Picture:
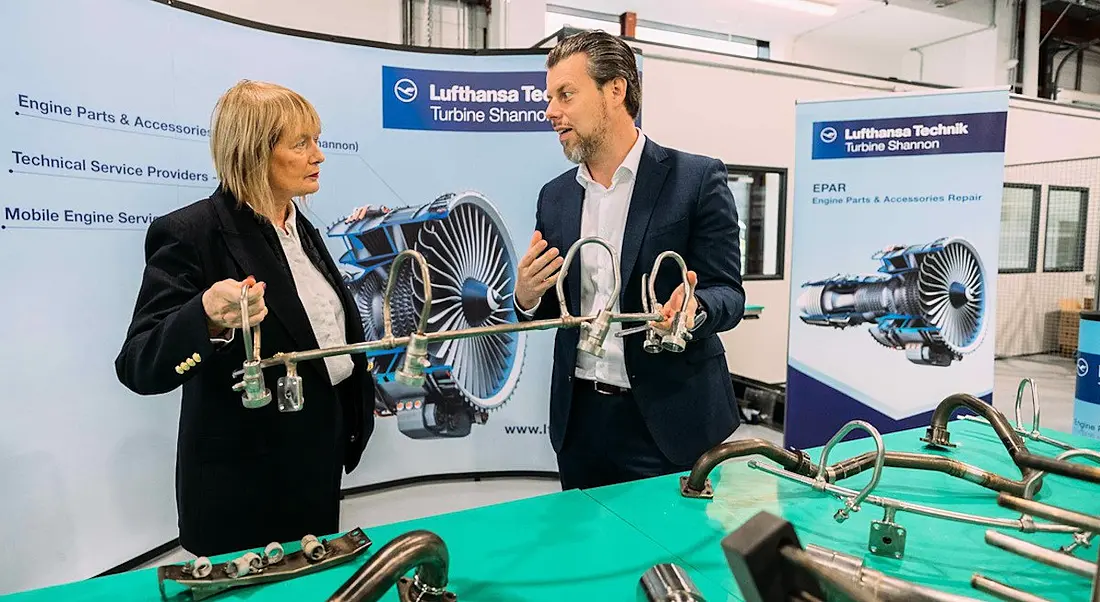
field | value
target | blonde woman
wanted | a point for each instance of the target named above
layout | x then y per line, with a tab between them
247	477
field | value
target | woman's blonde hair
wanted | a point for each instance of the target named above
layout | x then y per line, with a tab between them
247	122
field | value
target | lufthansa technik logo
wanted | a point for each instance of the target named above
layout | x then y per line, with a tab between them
828	135
405	90
1082	366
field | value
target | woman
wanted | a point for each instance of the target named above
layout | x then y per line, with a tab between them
247	477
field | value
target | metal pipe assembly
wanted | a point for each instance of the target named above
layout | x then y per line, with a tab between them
1033	433
416	344
852	504
422	550
894	505
938	437
1061	560
880	585
770	565
697	483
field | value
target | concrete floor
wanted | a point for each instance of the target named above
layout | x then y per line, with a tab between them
1054	377
1055	381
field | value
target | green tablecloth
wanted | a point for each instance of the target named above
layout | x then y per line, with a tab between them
596	544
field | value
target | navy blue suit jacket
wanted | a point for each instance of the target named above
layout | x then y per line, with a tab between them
681	202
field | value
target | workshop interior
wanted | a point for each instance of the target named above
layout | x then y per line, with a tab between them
916	369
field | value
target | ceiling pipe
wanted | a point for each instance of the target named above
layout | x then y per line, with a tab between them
1032	11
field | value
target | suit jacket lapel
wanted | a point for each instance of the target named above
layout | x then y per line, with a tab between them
647	188
571	210
250	249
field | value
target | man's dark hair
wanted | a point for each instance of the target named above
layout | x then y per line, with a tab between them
608	58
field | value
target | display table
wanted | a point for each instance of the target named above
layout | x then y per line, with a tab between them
596	544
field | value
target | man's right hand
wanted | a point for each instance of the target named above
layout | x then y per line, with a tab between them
538	271
222	304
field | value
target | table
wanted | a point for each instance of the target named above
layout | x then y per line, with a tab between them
596	544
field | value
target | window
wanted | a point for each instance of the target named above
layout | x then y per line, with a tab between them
1065	236
1019	228
760	194
559	17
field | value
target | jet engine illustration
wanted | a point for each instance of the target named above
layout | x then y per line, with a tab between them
472	266
927	300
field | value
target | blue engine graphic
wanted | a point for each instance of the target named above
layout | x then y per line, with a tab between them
472	266
926	300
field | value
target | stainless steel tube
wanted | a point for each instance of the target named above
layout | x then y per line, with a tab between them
826	574
1052	513
423	550
880	585
669	583
1002	591
1037	553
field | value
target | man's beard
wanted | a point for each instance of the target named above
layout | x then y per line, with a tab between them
587	147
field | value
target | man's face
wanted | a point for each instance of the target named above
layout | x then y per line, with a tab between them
577	109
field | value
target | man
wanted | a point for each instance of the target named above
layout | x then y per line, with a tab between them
630	414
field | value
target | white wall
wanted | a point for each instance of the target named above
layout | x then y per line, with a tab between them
517	23
967	61
379	20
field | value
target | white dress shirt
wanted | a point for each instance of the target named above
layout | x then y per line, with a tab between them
322	305
603	214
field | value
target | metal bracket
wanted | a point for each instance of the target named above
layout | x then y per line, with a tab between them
887	538
252	569
706	493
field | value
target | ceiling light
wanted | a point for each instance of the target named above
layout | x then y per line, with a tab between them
808	6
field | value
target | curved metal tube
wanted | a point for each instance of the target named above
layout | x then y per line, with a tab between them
558	286
1030	484
990	480
421	549
1034	405
1033	433
654	304
695	484
425	277
852	504
938	435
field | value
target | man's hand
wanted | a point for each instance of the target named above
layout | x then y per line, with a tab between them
675	302
222	304
537	272
361	212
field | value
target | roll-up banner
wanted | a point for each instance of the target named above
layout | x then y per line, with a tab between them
894	265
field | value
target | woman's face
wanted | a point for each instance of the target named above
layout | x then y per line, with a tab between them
295	164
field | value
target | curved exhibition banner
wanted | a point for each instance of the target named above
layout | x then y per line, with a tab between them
106	110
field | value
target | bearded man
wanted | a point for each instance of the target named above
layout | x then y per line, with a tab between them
629	414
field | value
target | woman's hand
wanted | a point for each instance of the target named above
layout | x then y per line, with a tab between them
222	304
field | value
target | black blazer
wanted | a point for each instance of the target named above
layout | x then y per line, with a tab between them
244	477
682	203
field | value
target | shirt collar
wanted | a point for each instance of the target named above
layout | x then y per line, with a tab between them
628	168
